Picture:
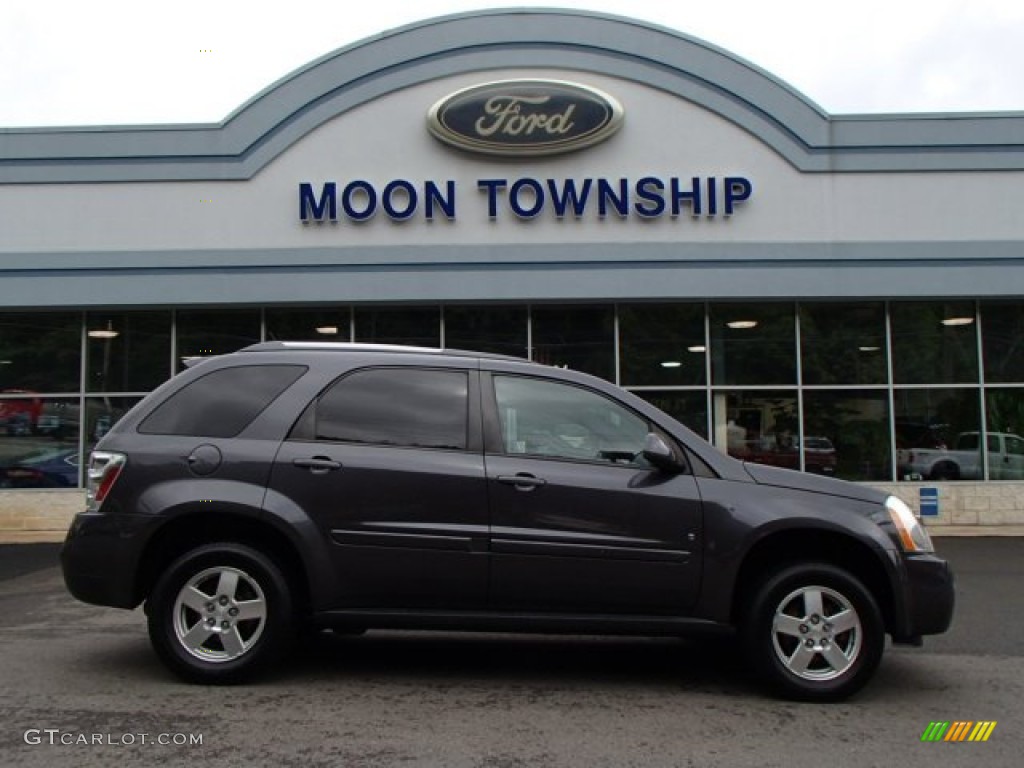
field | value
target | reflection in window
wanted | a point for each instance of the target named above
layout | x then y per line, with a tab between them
396	406
499	330
216	332
39	442
688	408
843	343
127	351
40	351
753	344
934	342
1004	409
937	434
550	419
410	326
331	324
581	338
101	414
662	344
846	434
1003	338
759	427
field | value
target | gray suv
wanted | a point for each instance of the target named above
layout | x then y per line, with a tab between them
289	487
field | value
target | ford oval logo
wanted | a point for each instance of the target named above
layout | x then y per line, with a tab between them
525	117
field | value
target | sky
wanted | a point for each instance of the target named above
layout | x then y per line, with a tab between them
132	62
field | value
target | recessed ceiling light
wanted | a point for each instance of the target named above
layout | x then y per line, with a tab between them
742	324
697	348
671	364
327	330
104	333
953	321
869	349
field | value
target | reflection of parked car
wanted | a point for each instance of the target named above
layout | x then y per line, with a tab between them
19	417
51	467
819	455
963	462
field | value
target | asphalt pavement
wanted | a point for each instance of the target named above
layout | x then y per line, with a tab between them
80	686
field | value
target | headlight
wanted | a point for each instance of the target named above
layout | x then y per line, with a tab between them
913	536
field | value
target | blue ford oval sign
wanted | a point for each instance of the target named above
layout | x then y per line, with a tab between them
525	117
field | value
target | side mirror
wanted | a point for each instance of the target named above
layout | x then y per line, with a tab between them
659	454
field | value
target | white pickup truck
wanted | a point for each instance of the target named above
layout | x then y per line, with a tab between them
963	461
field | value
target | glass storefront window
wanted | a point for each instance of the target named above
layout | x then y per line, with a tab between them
1004	409
938	434
688	408
39	442
758	426
662	344
127	351
413	326
934	342
1002	327
753	344
102	413
846	434
581	338
40	351
843	343
495	329
215	332
330	324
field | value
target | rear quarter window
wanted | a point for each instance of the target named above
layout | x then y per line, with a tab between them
222	403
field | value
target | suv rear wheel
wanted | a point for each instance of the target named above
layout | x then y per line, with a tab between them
219	613
813	632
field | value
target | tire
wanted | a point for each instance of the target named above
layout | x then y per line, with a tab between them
813	632
945	470
220	613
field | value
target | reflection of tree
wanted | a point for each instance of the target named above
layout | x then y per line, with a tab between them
927	352
44	350
843	343
1003	329
858	428
1006	411
764	354
650	334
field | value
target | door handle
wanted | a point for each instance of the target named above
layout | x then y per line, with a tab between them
522	481
318	465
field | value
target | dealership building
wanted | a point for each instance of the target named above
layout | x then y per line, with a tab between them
835	294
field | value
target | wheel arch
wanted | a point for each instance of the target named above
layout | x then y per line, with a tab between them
783	548
189	530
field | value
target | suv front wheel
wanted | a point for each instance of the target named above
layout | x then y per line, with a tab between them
219	613
813	632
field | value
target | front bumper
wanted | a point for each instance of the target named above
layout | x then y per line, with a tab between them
101	555
929	598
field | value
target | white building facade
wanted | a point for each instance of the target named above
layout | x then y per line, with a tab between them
837	294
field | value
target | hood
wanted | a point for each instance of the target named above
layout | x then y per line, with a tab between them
802	481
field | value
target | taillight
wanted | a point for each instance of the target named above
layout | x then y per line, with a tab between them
104	469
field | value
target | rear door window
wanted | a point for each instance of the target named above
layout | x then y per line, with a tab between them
408	407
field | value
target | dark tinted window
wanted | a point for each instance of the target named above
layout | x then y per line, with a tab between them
396	406
222	403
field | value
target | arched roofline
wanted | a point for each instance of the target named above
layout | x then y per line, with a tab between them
282	114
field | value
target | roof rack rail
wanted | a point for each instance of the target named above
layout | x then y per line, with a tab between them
345	346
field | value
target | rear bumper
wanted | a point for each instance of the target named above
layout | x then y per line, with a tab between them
929	597
100	558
